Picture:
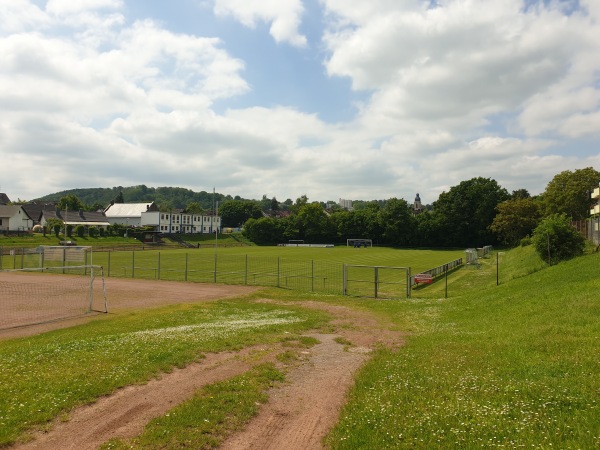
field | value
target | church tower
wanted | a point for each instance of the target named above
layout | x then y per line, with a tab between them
417	206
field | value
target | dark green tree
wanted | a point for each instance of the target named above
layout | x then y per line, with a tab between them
397	222
313	224
235	213
264	231
467	210
119	198
520	194
70	202
555	239
516	219
569	193
194	208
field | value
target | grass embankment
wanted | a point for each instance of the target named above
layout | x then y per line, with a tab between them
508	366
46	375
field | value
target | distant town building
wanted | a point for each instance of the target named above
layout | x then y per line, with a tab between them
345	204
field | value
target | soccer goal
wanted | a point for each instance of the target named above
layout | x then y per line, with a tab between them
357	243
40	295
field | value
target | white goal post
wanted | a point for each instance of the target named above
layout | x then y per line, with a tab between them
40	295
359	243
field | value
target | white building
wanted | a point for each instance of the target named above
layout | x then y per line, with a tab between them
14	218
180	222
128	214
345	204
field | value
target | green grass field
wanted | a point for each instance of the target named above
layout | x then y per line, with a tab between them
492	366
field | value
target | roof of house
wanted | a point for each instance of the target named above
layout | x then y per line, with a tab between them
34	209
4	200
9	210
77	217
128	209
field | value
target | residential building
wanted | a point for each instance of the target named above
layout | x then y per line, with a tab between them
345	204
128	214
14	218
75	218
178	221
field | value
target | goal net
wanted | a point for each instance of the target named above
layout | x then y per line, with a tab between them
357	243
40	295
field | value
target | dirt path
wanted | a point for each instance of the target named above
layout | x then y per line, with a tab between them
298	414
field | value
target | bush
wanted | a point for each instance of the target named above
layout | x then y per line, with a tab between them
525	241
80	230
556	240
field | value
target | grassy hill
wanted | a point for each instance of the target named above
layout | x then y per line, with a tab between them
508	366
174	197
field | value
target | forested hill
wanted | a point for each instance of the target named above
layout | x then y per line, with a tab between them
170	197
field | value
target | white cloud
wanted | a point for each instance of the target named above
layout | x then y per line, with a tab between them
461	62
284	16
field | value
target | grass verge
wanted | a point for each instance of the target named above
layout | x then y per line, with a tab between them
508	366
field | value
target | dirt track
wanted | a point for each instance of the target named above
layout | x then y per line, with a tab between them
298	414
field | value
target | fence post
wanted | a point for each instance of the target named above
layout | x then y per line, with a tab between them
376	274
215	269
446	270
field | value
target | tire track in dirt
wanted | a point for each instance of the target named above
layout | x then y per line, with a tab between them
298	414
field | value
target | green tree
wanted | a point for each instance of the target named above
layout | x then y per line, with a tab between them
120	198
555	239
520	194
397	222
70	202
569	193
467	210
516	218
234	213
264	231
194	208
55	225
313	224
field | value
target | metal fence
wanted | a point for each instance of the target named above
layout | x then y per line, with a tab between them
589	229
199	266
210	267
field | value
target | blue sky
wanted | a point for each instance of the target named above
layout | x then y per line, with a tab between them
324	98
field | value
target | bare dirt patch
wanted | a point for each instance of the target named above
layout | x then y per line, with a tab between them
299	413
122	294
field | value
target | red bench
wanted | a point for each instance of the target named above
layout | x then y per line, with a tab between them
423	278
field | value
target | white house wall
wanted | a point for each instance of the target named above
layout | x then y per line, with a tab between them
166	222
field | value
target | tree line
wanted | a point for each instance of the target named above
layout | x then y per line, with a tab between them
474	213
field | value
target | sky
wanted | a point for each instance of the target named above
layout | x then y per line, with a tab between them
331	99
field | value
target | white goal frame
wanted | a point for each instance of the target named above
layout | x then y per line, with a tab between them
34	296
